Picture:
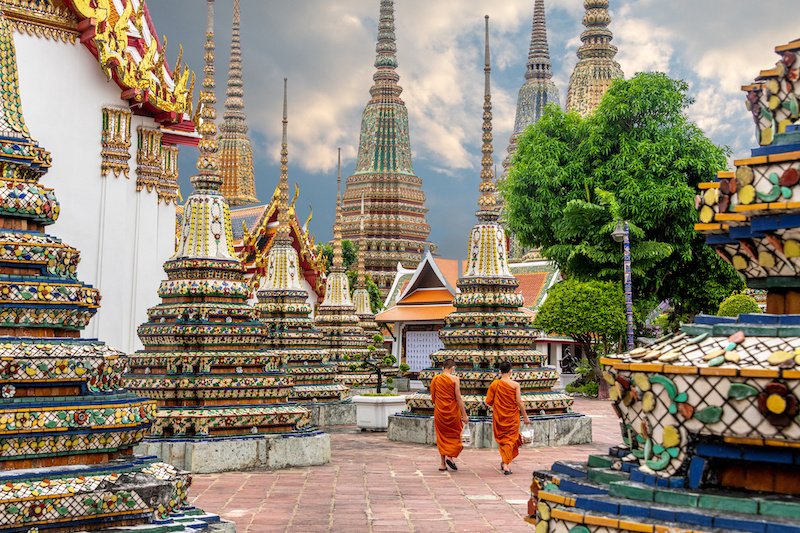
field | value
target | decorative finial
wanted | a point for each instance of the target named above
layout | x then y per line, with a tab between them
337	224
235	120
208	178
386	77
539	65
283	230
487	203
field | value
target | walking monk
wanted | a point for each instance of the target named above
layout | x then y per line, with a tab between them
505	399
449	414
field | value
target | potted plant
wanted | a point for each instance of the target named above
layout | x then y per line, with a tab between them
403	383
373	409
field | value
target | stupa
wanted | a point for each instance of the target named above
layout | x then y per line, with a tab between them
204	360
67	425
709	416
384	180
283	307
343	337
596	69
236	152
490	323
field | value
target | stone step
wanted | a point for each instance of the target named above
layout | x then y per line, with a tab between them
570	468
605	476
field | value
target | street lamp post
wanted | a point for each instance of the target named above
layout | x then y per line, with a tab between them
622	234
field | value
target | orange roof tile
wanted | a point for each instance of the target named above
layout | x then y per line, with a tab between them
531	286
415	313
449	269
427	296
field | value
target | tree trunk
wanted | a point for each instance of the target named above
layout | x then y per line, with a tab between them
380	379
602	385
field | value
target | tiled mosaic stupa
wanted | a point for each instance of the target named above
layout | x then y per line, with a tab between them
490	324
284	308
67	426
710	417
596	69
336	317
204	360
384	179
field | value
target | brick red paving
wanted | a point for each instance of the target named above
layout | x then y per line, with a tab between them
375	485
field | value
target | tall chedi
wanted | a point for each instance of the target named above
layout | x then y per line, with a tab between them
204	360
490	324
538	91
336	317
596	69
395	225
539	88
67	425
284	308
236	154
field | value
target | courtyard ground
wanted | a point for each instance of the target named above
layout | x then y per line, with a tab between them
375	485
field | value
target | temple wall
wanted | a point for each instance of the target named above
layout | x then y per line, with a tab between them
124	236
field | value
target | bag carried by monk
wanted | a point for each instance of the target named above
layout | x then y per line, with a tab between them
527	434
466	435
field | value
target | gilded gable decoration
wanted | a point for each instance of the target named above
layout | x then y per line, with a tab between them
48	19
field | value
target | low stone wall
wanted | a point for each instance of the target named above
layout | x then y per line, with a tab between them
548	431
332	414
240	453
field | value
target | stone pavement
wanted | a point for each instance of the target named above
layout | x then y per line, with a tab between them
375	485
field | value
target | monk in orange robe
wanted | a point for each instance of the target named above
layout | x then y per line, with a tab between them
505	399
449	414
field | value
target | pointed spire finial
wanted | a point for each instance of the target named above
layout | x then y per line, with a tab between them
487	203
283	230
208	177
386	77
235	120
539	65
337	224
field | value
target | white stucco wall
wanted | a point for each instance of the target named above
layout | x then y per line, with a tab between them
124	236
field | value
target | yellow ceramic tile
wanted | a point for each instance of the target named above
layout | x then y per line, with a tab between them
550	497
732	217
760	160
679	369
780	158
707	227
751	207
744	440
778	205
612	523
758	373
636	526
726	174
791	374
708	185
719	371
569	516
647	367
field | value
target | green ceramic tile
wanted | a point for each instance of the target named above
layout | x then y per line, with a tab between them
603	475
785	509
676	497
631	490
600	461
726	503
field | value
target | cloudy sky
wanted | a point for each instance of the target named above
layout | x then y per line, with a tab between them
326	48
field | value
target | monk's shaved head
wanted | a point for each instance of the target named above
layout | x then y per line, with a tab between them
505	367
448	364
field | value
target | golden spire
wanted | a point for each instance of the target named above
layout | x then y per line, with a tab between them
487	203
209	177
283	231
337	224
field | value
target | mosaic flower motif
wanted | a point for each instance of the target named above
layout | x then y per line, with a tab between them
8	391
778	404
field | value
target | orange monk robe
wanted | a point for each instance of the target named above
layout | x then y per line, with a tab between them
502	398
446	416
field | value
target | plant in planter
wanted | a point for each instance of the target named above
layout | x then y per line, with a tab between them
373	409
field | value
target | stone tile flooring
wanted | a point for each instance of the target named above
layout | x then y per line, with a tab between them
375	485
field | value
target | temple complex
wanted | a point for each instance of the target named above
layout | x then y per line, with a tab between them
709	416
489	323
384	181
236	154
283	307
204	360
116	142
336	317
596	69
68	425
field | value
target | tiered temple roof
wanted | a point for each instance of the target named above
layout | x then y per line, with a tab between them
336	317
489	324
204	360
384	179
596	69
236	154
67	426
283	307
709	416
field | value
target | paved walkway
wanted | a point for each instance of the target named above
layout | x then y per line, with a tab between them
375	485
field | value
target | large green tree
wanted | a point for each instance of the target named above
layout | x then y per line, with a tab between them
637	158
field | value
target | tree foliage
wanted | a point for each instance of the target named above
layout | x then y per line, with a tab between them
738	304
637	158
